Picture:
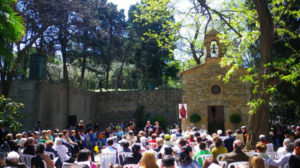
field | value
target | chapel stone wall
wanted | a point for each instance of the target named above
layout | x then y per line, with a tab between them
197	83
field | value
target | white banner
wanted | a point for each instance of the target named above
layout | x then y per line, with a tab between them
183	111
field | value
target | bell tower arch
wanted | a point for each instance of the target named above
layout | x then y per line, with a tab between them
213	44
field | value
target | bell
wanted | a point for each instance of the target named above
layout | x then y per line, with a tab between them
214	49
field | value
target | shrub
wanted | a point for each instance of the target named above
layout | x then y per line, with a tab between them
235	118
195	118
9	114
161	120
140	117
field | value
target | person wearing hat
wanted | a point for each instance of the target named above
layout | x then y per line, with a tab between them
167	141
13	160
244	132
262	138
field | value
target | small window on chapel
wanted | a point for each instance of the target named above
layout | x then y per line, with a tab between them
214	49
215	89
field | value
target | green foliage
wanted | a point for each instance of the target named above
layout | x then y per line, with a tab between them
243	51
11	26
195	118
235	118
140	117
285	103
9	114
151	61
152	12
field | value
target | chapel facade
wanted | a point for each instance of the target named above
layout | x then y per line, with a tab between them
209	96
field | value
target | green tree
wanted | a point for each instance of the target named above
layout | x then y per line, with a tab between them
11	30
110	45
244	24
151	61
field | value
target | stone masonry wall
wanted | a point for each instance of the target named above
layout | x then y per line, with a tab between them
120	106
48	103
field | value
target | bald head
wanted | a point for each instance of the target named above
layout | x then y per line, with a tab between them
237	145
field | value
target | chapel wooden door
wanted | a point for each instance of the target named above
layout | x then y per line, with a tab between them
215	117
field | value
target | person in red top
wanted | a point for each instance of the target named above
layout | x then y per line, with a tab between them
152	141
191	138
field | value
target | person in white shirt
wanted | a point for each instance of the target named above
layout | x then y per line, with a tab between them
282	150
61	149
109	149
202	129
284	159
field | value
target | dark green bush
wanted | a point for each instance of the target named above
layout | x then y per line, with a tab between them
161	120
140	117
195	118
235	118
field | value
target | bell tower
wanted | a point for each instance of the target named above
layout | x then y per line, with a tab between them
213	44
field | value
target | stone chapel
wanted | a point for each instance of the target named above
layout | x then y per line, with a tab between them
210	97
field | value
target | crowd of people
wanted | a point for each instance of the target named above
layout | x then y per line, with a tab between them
120	145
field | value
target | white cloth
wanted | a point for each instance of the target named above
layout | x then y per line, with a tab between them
270	147
282	161
109	149
62	152
202	131
281	152
108	160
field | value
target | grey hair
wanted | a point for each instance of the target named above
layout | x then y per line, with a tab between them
237	146
58	141
286	140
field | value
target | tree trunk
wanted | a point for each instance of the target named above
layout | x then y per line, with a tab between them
83	66
259	122
5	84
10	73
195	54
121	68
192	44
25	65
106	78
63	44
